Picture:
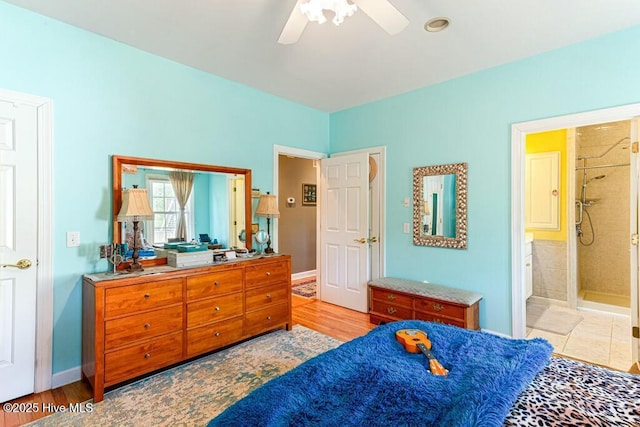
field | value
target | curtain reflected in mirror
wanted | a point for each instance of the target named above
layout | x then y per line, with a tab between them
440	206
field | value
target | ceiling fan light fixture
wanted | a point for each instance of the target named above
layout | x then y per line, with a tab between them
437	24
313	10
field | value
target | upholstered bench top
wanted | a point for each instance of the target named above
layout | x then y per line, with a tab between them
427	290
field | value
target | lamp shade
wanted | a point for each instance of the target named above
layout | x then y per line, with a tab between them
135	205
268	206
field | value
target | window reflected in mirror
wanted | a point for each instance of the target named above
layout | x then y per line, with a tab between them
440	206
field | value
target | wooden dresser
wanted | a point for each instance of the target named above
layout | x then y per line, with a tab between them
393	299
134	324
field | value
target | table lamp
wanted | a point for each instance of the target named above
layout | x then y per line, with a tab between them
268	208
135	206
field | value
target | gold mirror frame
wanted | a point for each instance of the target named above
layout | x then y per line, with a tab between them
460	240
119	161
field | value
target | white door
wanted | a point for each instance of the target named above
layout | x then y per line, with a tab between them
344	229
18	241
236	211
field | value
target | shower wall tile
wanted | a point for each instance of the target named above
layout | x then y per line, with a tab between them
550	269
604	265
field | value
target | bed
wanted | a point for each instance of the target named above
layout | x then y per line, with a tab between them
492	381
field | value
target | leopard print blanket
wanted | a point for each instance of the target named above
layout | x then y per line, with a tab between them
571	393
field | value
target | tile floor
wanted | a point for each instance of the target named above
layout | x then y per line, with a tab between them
601	338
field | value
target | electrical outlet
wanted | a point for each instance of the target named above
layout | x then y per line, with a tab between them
73	239
406	228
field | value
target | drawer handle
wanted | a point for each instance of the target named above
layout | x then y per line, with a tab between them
437	321
391	310
148	355
268	273
217	334
147	296
147	325
216	283
217	308
268	317
268	296
438	307
391	297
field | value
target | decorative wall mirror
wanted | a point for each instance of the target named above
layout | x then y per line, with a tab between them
217	211
440	206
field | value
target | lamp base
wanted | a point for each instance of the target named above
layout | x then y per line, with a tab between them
268	251
135	266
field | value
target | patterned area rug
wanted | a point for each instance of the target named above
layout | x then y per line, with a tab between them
192	394
305	289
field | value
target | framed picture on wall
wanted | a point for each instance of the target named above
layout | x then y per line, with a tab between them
308	194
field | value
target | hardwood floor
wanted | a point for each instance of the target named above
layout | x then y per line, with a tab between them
337	322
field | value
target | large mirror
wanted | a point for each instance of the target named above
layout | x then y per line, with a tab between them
219	204
440	206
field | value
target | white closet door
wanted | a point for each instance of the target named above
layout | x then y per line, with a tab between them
542	191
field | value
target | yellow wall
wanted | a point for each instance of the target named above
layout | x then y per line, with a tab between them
552	141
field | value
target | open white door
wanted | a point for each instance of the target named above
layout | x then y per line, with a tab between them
18	247
344	229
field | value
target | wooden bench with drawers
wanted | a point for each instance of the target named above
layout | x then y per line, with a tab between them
134	324
393	299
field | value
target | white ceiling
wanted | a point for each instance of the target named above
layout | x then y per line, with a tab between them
333	68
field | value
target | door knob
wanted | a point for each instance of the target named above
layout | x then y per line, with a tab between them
23	264
372	240
361	240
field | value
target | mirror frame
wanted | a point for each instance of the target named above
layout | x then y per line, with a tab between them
458	242
119	161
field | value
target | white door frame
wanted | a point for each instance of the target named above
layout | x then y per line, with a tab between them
44	264
519	132
304	154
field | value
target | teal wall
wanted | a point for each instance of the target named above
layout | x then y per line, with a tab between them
113	99
110	99
469	119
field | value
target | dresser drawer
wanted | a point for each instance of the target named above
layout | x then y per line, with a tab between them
441	308
266	318
391	297
142	358
214	309
213	336
206	285
391	309
136	327
145	296
437	319
264	274
266	295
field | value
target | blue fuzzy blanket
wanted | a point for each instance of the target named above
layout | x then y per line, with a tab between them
373	381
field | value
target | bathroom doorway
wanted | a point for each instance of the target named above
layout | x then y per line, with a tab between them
586	158
603	215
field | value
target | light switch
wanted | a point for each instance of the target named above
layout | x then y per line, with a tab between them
406	228
73	239
406	202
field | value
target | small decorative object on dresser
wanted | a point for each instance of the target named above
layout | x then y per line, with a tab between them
395	299
133	325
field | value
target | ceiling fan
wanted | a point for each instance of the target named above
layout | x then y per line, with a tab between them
382	12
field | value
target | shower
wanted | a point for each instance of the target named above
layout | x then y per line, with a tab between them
583	204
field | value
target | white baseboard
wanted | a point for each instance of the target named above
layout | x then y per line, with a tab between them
303	275
66	377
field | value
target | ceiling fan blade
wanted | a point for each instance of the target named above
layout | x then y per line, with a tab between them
384	14
294	27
